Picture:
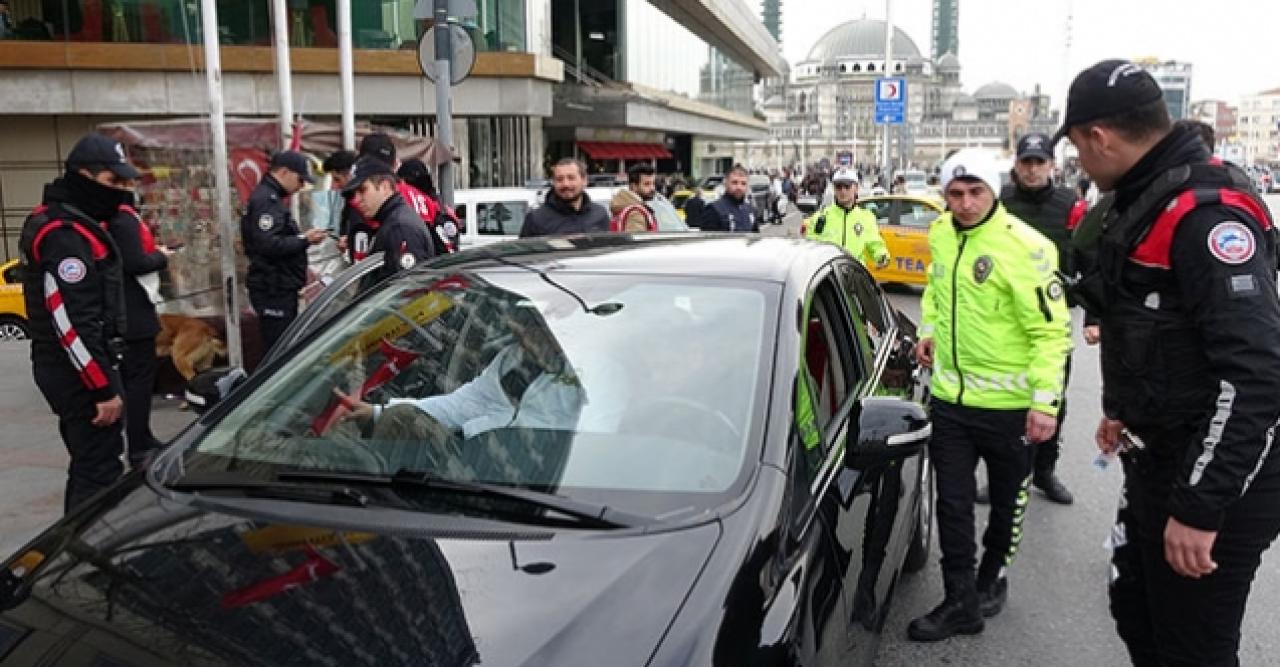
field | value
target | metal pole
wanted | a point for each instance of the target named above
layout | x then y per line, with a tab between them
284	75
346	74
444	108
888	67
577	38
222	178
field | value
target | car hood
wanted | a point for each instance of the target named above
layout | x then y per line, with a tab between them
145	580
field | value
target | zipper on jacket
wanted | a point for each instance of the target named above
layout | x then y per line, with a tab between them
955	335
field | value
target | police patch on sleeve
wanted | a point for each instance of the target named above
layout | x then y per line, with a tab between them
72	270
407	261
1232	242
266	222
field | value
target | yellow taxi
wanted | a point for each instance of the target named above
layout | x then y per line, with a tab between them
678	198
904	223
13	311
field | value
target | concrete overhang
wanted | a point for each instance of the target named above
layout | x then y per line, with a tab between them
733	28
637	107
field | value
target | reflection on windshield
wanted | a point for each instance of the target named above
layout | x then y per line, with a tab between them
507	378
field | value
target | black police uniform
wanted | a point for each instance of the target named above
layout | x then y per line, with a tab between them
727	214
277	259
72	286
1048	210
1191	366
401	237
138	364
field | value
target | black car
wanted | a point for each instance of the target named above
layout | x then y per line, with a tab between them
650	450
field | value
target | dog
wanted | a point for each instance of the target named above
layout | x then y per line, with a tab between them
191	343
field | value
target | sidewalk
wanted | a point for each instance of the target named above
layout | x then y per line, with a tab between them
33	461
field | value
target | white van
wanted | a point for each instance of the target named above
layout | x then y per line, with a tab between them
490	215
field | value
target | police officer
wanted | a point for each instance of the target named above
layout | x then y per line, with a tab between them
731	212
996	331
1032	197
401	236
847	225
1185	285
277	250
72	285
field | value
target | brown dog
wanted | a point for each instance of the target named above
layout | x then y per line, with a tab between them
190	342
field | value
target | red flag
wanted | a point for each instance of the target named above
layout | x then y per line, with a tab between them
315	567
395	359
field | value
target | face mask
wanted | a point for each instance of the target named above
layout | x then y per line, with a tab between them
98	201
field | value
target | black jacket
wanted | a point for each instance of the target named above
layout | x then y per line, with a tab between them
401	237
277	253
126	229
557	217
72	286
1188	345
1046	209
693	208
728	215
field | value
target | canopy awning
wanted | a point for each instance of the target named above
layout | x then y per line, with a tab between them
616	150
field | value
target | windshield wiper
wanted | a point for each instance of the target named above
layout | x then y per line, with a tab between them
587	514
258	488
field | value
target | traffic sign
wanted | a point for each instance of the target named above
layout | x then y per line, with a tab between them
891	101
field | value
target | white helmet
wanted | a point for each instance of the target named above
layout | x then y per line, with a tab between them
972	163
845	175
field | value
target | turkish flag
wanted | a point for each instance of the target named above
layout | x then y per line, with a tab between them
395	359
315	567
248	166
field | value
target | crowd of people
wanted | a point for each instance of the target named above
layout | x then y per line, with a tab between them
1175	266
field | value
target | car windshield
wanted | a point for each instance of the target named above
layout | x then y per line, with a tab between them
642	393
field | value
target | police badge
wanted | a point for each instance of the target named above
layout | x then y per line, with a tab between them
982	269
266	222
857	228
407	261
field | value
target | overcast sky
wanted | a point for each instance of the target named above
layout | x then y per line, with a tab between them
1232	44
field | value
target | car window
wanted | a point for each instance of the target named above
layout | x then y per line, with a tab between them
502	218
882	208
828	371
505	377
917	214
868	303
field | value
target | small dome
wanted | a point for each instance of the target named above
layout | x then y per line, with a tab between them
862	38
949	62
996	90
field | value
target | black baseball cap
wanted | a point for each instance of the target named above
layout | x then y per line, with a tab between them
1036	144
1106	89
293	161
99	150
379	145
364	168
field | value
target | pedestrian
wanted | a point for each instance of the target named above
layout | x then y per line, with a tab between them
401	237
995	329
380	146
276	248
847	225
1185	285
141	260
445	222
694	207
630	205
73	289
1032	197
338	167
731	212
568	209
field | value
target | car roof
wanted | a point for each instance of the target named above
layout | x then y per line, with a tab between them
731	256
911	198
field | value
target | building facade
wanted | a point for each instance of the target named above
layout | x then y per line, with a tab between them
1259	127
1174	79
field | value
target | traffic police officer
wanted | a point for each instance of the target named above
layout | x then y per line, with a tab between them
996	331
72	283
1185	284
400	236
1032	197
847	225
277	251
731	212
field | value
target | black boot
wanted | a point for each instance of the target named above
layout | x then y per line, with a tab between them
959	613
992	596
1053	488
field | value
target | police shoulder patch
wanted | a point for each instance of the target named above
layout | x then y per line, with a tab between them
72	270
407	261
266	222
1232	242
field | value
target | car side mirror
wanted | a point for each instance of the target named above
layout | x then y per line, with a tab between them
887	428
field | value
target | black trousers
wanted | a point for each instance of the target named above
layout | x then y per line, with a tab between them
962	435
138	371
275	314
95	452
1165	619
1048	452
